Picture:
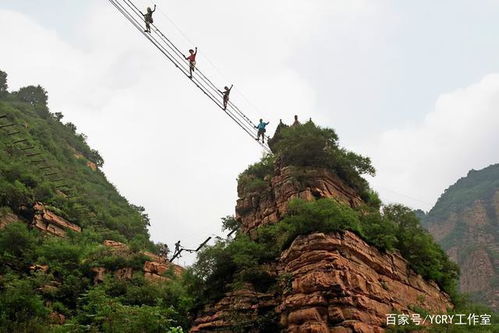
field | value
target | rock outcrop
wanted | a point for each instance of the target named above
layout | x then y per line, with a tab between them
235	311
49	222
326	282
332	283
42	219
255	209
153	269
339	283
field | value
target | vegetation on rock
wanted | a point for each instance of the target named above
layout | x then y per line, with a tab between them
465	221
45	278
94	202
305	146
231	263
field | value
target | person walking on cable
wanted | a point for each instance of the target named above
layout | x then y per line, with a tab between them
177	248
148	18
261	130
225	95
192	61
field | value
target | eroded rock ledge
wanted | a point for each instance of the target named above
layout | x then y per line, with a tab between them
269	206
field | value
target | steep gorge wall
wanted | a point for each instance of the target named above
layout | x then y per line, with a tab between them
465	222
469	239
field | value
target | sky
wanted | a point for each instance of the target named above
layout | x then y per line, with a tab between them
412	84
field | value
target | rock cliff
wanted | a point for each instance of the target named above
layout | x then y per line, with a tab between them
47	221
332	283
255	209
327	282
465	221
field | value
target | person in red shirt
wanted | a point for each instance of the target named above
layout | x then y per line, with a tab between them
192	61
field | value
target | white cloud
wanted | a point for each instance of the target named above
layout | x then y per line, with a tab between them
166	146
169	149
416	164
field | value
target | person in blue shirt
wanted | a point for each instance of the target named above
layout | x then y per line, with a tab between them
261	130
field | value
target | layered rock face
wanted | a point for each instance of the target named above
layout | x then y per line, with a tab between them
341	284
259	208
326	282
42	219
331	283
46	221
465	221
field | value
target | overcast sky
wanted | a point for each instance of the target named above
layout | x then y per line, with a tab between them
412	84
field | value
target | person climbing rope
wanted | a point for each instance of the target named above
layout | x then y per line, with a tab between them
148	18
192	61
261	130
225	95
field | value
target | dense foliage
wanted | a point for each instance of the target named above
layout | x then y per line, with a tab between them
42	276
29	296
309	145
89	199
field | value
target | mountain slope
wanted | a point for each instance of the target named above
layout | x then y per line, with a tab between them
75	255
465	221
43	159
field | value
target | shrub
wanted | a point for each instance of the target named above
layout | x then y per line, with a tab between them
253	179
311	145
17	246
107	314
20	306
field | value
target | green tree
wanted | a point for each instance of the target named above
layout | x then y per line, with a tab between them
17	246
58	116
21	309
3	84
34	95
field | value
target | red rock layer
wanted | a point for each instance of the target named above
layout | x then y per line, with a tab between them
234	311
339	283
47	221
260	208
334	283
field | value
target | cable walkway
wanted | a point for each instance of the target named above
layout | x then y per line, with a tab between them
128	9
